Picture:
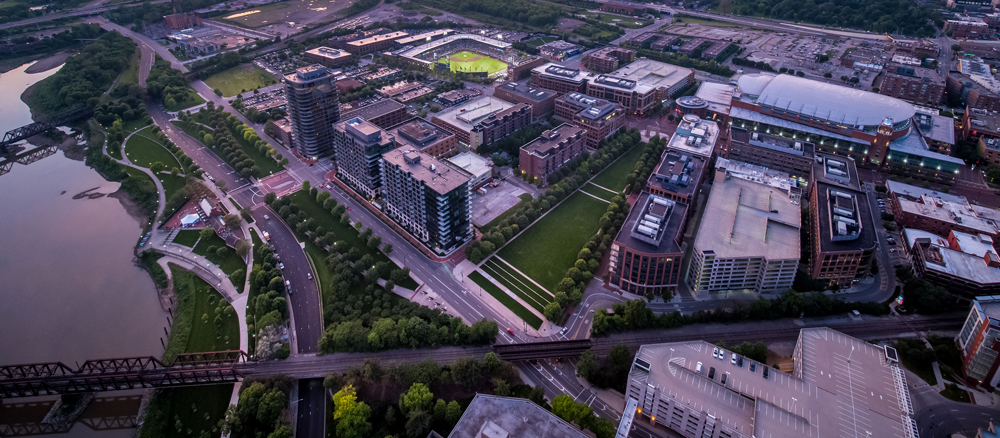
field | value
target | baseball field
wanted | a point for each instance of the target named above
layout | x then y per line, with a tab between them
473	62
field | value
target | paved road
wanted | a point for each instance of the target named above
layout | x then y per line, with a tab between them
949	417
140	39
311	421
304	300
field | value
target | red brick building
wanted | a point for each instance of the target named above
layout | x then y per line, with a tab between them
551	150
915	84
599	117
542	101
608	59
621	9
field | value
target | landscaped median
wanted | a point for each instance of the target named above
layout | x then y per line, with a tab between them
508	301
523	287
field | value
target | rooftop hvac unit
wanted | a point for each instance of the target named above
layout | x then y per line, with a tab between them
647	231
841	228
836	171
846	220
651	225
843	211
652	219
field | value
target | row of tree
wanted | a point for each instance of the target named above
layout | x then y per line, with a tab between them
259	413
711	66
645	165
167	84
86	75
267	307
226	126
879	16
634	315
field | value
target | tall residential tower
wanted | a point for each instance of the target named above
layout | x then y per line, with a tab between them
313	106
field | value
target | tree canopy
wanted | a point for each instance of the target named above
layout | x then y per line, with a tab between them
881	16
86	75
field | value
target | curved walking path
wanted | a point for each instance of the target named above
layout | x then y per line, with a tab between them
160	192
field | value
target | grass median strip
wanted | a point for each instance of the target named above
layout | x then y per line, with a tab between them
532	301
512	304
518	281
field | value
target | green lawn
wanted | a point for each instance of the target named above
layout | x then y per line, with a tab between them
114	152
512	304
196	408
133	125
193	99
266	164
598	192
548	248
240	79
171	184
515	282
614	176
956	393
525	198
312	209
187	238
473	62
228	261
143	151
131	74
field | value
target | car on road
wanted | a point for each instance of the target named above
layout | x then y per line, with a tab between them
266	218
309	275
891	241
209	177
281	266
511	331
267	236
892	250
564	330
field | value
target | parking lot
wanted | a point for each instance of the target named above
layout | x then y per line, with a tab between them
496	201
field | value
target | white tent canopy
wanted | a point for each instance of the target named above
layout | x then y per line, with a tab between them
189	220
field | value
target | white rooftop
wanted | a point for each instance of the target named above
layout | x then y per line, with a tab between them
472	163
966	262
848	106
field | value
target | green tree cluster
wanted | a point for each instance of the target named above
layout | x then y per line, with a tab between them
711	66
582	415
267	305
127	109
259	411
634	315
167	84
86	75
226	128
610	371
879	16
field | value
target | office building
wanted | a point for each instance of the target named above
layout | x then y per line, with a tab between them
640	85
843	235
313	106
866	126
749	235
484	120
978	342
427	197
490	416
425	137
327	56
549	152
678	176
181	21
384	113
599	117
559	50
542	101
979	123
375	43
646	254
280	130
840	386
358	147
940	213
976	91
965	264
779	153
608	59
912	83
557	78
695	136
478	167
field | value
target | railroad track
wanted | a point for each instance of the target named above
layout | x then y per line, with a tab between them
542	350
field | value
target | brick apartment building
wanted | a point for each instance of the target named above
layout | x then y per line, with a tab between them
615	8
542	101
599	117
551	150
384	113
484	120
608	59
922	86
557	78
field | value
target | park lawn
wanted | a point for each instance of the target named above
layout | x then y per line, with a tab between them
525	199
614	176
171	184
254	238
187	238
312	209
266	164
133	125
486	63
193	99
143	151
513	282
131	75
199	408
512	304
229	261
597	191
548	248
240	79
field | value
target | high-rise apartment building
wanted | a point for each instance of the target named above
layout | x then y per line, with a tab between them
749	236
978	342
359	146
427	197
313	106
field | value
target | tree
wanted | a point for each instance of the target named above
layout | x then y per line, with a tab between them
351	414
232	221
387	249
207	233
417	424
417	398
453	413
208	139
157	167
440	409
587	367
492	362
270	198
553	311
564	407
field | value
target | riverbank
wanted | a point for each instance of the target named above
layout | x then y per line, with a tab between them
49	63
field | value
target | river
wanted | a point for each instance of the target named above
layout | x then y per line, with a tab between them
70	290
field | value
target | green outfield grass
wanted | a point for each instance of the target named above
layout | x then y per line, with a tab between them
466	61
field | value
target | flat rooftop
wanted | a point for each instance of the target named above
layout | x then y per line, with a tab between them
469	114
550	139
695	136
557	71
309	73
751	212
654	73
433	173
373	110
377	38
981	120
679	172
418	133
914	144
531	93
328	53
945	208
560	46
424	37
718	96
936	127
967	261
472	163
773	142
842	387
662	233
490	416
594	108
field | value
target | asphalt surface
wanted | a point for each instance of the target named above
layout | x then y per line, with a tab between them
949	417
313	366
202	156
303	299
311	421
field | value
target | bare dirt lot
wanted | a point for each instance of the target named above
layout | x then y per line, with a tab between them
294	12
